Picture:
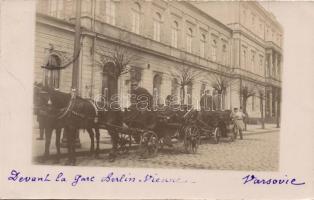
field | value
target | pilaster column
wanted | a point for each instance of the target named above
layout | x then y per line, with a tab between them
270	103
276	65
166	25
279	67
271	64
275	103
197	40
182	40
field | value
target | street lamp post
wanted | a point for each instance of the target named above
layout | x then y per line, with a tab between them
76	62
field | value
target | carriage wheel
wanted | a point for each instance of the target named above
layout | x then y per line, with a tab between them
125	142
149	144
191	139
217	134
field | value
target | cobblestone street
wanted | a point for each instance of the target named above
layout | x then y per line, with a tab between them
258	151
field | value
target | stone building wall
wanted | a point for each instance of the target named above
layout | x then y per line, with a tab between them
157	58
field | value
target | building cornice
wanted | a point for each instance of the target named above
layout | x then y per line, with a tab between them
267	14
214	20
68	26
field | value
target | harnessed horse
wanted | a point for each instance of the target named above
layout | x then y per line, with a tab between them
59	110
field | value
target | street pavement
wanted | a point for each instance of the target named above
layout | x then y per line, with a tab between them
258	151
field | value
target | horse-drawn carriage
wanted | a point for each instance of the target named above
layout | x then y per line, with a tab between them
151	130
215	125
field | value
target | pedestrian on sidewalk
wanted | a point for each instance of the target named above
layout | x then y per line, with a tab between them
237	116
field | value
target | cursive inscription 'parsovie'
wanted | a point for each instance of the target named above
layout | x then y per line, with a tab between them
252	179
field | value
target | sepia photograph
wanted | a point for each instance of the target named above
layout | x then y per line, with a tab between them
157	84
156	99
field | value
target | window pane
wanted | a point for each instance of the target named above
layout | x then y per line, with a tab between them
202	49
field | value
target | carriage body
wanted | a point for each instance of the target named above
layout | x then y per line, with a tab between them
215	124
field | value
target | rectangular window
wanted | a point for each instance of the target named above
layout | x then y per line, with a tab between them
214	50
189	43
174	40
54	8
136	22
202	48
110	12
157	30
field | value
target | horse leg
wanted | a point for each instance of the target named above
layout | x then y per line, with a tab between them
74	136
91	135
97	141
41	131
70	135
114	140
58	137
48	133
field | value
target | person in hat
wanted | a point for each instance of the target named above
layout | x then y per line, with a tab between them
238	117
141	99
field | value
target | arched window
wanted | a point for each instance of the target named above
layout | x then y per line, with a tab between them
157	89
136	17
109	81
110	12
189	40
202	45
157	24
214	50
174	34
52	76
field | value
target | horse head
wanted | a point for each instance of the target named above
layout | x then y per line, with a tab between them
40	97
49	97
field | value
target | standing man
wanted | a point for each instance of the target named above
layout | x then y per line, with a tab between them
237	117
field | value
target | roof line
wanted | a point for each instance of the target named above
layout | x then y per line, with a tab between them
219	23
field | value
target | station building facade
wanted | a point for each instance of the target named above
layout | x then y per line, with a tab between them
241	42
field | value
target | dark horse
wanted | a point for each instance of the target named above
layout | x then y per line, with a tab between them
58	110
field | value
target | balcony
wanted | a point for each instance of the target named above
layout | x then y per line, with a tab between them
273	81
272	45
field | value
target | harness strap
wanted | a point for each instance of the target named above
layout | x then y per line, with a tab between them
73	97
96	110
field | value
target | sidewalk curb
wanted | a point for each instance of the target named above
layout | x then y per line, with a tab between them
260	132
